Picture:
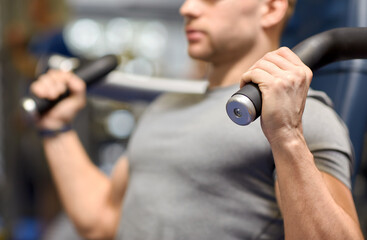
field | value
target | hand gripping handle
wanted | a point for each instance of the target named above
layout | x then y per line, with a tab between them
90	73
317	51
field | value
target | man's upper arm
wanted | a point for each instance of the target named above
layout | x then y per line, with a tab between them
109	213
328	139
341	194
338	190
119	179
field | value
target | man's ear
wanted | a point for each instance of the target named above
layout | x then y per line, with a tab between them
273	13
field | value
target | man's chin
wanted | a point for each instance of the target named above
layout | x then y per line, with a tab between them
199	55
200	50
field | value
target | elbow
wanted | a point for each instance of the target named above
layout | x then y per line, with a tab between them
326	233
102	228
356	235
95	233
352	231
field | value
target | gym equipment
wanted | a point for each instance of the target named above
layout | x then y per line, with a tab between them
90	73
123	83
317	51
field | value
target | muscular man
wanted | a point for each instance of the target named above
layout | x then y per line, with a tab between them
189	172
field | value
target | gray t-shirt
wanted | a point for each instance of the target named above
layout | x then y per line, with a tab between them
195	175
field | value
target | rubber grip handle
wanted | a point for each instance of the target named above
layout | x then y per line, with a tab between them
252	91
90	73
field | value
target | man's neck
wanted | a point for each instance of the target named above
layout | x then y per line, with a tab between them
226	73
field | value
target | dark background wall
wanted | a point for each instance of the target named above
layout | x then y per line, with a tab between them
345	82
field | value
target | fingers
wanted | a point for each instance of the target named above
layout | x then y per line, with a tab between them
50	86
281	64
288	54
299	68
265	69
75	84
54	83
279	60
254	75
284	81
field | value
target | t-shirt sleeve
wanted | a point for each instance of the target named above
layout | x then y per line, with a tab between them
328	139
336	164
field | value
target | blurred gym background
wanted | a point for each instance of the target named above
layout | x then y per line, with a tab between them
149	36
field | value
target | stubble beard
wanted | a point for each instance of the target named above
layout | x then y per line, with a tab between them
201	52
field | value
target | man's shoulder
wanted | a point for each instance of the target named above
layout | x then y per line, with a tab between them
321	96
322	125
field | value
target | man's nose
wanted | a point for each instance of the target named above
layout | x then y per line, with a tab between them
190	8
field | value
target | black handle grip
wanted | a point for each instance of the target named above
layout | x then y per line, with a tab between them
317	51
90	73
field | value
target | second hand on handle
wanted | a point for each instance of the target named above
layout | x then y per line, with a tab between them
90	73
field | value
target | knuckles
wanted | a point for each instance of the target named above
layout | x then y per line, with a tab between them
284	50
268	55
296	74
295	77
303	74
55	82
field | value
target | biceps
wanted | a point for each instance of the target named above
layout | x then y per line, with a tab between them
119	180
340	193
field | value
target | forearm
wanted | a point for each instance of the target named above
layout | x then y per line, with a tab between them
308	208
83	189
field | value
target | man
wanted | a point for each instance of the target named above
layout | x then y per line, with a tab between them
190	173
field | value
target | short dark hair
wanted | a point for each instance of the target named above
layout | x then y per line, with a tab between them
291	7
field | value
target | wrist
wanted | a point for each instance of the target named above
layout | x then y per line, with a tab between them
284	136
48	132
291	149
